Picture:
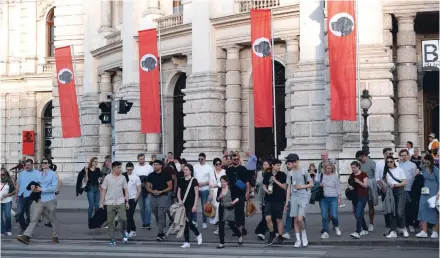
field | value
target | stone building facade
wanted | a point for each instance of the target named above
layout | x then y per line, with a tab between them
206	78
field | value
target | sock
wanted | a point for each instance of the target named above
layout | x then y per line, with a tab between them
298	236
304	233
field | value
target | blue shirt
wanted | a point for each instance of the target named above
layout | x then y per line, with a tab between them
49	184
252	162
24	178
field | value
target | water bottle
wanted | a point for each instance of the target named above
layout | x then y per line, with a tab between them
270	187
293	185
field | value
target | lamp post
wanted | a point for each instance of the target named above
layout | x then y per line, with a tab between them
365	105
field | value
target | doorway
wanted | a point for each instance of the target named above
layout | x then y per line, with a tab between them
178	115
47	130
431	104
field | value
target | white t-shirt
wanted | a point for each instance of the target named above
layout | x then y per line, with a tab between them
133	182
5	191
144	170
202	174
215	178
380	165
398	173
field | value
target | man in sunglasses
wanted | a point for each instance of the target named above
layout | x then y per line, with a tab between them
380	165
28	175
202	171
236	173
48	181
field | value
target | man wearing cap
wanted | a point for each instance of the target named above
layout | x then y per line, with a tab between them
433	142
298	181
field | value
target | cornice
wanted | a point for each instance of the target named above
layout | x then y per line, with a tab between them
410	7
174	32
107	49
112	66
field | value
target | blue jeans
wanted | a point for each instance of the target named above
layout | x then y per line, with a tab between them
358	210
204	195
289	220
144	202
23	206
6	217
93	196
326	203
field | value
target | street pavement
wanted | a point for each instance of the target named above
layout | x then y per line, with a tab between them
40	249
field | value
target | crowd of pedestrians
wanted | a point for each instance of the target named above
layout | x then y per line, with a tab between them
172	190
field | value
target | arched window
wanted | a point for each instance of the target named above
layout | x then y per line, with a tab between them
50	38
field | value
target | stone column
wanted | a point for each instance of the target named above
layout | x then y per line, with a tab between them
106	16
233	99
2	128
407	80
292	59
205	105
12	132
150	14
306	90
5	39
105	130
129	139
31	33
30	116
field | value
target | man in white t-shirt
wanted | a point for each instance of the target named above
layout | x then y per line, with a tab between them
380	165
142	170
134	191
202	171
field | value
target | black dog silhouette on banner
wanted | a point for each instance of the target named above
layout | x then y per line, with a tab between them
65	77
28	137
149	63
343	25
263	48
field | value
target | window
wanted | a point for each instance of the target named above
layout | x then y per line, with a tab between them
177	6
50	38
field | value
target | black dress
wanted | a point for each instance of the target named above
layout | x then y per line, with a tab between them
221	210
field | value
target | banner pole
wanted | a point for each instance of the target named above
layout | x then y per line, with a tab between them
79	103
273	87
161	92
358	77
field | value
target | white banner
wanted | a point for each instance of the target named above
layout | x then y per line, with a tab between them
430	52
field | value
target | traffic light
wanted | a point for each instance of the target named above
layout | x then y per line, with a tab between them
106	112
124	106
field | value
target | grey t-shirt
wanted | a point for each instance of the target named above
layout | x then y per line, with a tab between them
115	187
369	167
298	177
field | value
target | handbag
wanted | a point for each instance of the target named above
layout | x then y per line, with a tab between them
250	209
240	185
209	210
320	192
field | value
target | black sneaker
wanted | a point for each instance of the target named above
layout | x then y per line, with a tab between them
160	237
49	225
271	239
243	232
24	239
148	227
279	242
144	226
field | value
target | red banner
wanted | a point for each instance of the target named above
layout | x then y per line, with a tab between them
149	81
262	67
342	57
28	143
66	89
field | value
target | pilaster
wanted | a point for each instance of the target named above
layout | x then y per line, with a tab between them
2	128
12	132
4	48
105	130
106	16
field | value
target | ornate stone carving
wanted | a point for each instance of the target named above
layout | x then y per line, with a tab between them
42	8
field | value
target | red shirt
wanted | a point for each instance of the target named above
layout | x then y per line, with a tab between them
360	190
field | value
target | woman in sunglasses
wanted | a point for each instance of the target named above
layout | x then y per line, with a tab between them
214	185
429	189
6	205
396	180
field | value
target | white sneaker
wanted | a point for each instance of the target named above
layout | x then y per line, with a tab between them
9	233
261	236
434	235
422	234
324	235
205	225
297	244
132	234
399	231
286	236
411	229
364	233
305	242
186	245
392	234
338	231
355	235
371	228
405	233
216	232
387	232
199	239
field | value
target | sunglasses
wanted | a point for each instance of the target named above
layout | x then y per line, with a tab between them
129	169
3	174
390	161
235	159
218	164
200	159
44	162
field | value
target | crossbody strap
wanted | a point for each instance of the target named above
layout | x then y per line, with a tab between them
392	176
187	189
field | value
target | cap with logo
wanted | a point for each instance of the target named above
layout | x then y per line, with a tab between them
431	135
292	157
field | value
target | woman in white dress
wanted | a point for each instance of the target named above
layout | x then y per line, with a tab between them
214	185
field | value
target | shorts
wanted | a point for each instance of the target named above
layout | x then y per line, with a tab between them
298	207
275	210
252	177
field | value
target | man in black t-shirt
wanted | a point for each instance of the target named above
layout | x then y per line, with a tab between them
274	184
158	186
237	172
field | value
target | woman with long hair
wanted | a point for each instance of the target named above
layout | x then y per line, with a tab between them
6	205
261	229
329	204
359	181
430	188
214	185
190	203
92	175
228	198
396	180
